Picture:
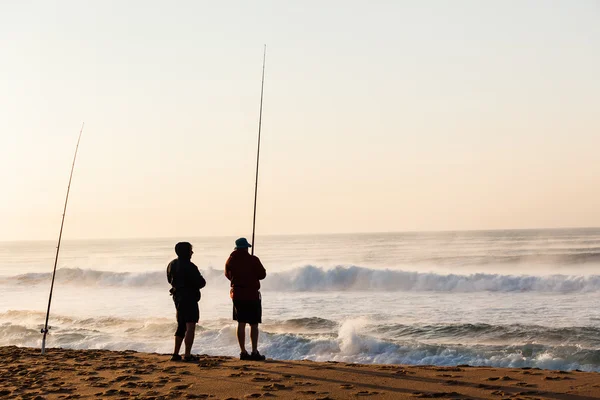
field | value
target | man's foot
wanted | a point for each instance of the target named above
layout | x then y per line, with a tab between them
256	356
175	357
191	357
245	356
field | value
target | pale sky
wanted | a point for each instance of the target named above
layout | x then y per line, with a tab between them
378	116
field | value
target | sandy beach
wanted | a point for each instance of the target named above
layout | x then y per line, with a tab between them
69	374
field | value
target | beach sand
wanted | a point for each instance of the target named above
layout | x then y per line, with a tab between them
70	374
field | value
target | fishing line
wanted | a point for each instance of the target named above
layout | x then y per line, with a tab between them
262	85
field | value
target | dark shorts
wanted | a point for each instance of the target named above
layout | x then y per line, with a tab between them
248	311
187	312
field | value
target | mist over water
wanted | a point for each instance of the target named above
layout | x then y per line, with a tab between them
501	298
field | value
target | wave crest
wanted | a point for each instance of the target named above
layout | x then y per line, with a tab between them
342	278
310	278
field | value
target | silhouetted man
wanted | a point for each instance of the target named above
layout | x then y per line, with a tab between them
186	282
245	272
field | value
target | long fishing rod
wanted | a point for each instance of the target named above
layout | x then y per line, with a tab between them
45	330
262	86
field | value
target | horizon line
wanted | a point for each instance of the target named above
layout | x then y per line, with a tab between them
313	234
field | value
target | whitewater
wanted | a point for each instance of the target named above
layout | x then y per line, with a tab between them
527	298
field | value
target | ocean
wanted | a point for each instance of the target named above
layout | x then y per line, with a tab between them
521	298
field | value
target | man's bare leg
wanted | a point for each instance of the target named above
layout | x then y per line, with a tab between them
190	331
241	335
178	341
254	337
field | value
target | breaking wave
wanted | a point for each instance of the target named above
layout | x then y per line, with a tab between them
341	278
348	341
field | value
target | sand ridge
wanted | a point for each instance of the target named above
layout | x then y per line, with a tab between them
78	374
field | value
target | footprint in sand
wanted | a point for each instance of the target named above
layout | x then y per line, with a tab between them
299	383
140	371
83	364
452	382
60	390
529	393
307	392
88	373
276	386
127	378
435	395
531	373
365	393
181	387
347	386
210	364
484	386
525	384
261	379
199	396
557	378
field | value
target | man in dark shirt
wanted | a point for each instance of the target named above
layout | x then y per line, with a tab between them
245	271
186	282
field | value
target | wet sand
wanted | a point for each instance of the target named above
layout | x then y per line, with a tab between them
78	374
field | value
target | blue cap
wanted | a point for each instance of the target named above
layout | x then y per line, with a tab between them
242	243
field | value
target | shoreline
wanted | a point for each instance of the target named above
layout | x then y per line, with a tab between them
78	374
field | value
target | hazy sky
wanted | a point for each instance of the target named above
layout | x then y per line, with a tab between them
378	116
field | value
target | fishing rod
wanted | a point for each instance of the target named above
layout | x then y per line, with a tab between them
45	330
262	86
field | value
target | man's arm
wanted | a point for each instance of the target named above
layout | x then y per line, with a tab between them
261	272
228	269
169	272
202	281
197	277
